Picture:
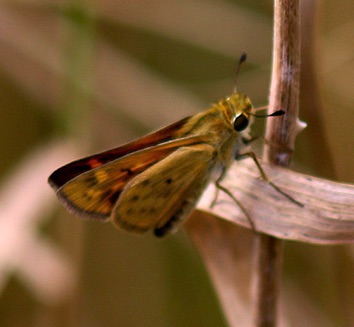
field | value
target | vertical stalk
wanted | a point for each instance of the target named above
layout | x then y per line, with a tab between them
280	133
285	83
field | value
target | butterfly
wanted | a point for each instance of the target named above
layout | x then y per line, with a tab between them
154	182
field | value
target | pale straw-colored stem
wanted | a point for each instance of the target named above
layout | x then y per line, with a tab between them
280	134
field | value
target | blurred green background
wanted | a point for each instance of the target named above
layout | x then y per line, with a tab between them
82	76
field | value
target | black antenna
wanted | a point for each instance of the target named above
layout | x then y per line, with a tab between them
274	114
241	61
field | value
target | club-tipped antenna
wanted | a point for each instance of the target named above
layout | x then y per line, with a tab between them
274	114
241	61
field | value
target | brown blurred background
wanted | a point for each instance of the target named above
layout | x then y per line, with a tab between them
82	76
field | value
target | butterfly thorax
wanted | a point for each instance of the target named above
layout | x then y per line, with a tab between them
219	120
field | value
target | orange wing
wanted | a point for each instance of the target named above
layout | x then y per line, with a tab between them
94	193
66	173
164	195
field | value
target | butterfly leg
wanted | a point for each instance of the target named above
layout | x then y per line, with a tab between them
265	177
247	141
218	187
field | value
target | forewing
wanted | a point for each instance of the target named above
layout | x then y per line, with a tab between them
62	175
166	192
94	193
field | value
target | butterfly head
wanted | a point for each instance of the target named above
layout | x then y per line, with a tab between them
242	111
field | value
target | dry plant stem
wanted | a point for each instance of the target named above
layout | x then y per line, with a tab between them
281	135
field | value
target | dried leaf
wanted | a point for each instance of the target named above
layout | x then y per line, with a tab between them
326	218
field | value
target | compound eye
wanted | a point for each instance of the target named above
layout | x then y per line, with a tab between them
241	122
